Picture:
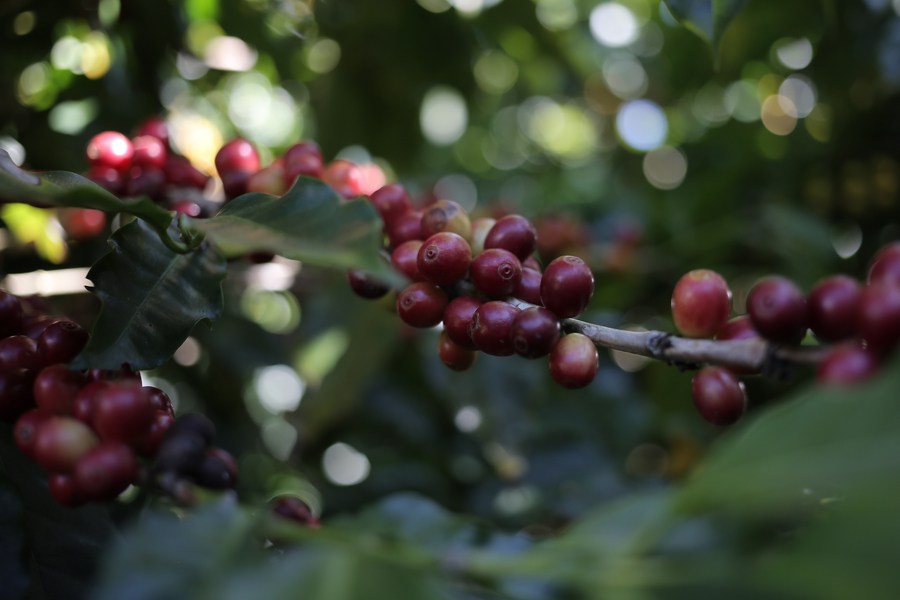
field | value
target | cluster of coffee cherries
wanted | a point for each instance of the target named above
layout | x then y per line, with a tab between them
860	323
89	429
480	279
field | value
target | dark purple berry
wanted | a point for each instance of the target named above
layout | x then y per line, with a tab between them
718	395
491	327
567	285
535	332
421	304
496	272
514	233
777	309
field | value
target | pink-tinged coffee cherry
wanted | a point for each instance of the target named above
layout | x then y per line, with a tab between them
345	177
82	223
778	311
269	180
847	364
879	317
574	361
390	201
149	152
405	258
567	285
491	327
421	304
366	286
514	233
446	215
496	272
457	320
718	395
833	307
444	258
454	356
237	155
302	159
60	442
885	266
105	471
535	332
110	149
701	303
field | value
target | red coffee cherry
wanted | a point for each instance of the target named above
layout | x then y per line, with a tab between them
390	201
738	328
186	207
496	272
85	401
110	149
19	352
833	307
63	489
514	233
294	509
421	304
61	341
529	288
15	394
60	442
217	470
446	215
159	399
82	223
567	286
574	361
453	355
11	314
149	151
234	183
777	309
444	258
885	266
879	317
123	412
26	428
405	227
303	158
718	395
491	327
154	127
405	259
345	177
238	155
366	286
701	303
150	443
847	364
535	332
105	471
181	173
55	389
109	178
145	181
34	325
457	319
269	180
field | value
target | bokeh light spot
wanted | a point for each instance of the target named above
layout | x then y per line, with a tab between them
345	465
642	124
443	115
613	25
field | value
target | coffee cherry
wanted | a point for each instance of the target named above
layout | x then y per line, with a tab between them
480	229
82	223
446	215
421	304
496	272
186	207
444	258
529	287
879	317
181	173
294	509
303	158
405	258
535	332
269	180
195	424
145	181
105	471
238	155
777	309
574	361
390	201
15	394
154	127
833	307
149	151
885	266
366	286
215	472
567	285
226	459
345	177
110	149
63	489
513	233
152	440
404	227
122	412
85	401
19	352
26	428
701	303
718	395
11	314
34	325
60	442
180	453
847	364
491	327
55	389
453	355
234	183
158	399
61	341
457	319
738	328
109	178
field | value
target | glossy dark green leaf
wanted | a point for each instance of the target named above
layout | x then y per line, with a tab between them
310	223
152	297
709	18
63	544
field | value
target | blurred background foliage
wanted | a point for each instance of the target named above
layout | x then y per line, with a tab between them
625	136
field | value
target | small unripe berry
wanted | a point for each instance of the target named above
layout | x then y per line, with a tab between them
701	303
457	319
567	285
446	215
60	442
421	304
514	233
833	308
453	355
535	332
444	258
480	229
718	395
496	272
574	361
777	309
491	327
366	286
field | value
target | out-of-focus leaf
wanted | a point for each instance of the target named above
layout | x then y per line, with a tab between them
30	225
152	298
63	544
709	18
309	223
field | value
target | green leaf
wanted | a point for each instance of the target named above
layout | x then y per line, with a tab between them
709	18
63	544
808	450
61	188
152	298
310	223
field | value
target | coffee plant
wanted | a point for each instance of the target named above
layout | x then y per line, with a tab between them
445	299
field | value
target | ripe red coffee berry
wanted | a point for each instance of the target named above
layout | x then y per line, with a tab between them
514	233
366	286
25	430
181	173
879	317
535	332
390	201
61	341
82	223
444	258
847	364
294	509
833	307
885	266
458	320
110	149
405	227
85	401
122	412
145	181
11	314
55	389
63	489
718	395
574	361
345	177
567	285
303	158
19	352
154	127
496	272
150	443
421	304
738	328
149	151
446	215
269	180
15	394
237	155
701	303
60	442
454	356
105	471
110	179
529	288
777	309
405	258
491	327
216	472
